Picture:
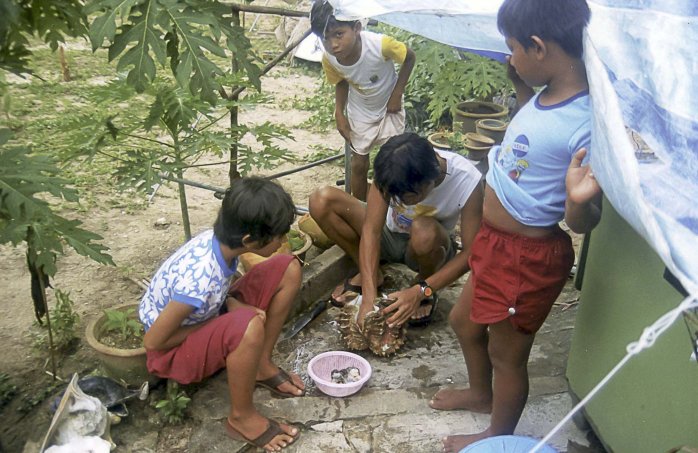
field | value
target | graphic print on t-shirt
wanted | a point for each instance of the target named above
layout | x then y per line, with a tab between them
511	157
403	215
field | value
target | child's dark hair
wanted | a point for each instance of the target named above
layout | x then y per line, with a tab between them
322	18
403	164
559	21
254	206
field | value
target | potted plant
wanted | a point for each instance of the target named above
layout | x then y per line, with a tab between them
440	140
297	243
492	128
465	114
117	336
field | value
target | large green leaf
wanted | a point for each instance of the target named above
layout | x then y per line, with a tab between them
51	20
24	177
104	26
147	36
188	32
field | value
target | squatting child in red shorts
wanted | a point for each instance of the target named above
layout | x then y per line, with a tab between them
197	323
520	258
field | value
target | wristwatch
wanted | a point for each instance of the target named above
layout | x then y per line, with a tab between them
427	291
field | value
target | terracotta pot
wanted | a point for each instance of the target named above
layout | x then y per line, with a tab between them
128	365
477	152
465	114
478	140
309	226
249	260
439	140
494	129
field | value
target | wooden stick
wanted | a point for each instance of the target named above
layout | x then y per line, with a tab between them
268	10
274	62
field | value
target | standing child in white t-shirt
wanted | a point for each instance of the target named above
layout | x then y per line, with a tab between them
361	65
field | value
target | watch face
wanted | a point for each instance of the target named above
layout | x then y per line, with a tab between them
428	291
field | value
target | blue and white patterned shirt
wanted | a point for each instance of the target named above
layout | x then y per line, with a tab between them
197	275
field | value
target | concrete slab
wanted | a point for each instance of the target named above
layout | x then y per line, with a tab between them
390	414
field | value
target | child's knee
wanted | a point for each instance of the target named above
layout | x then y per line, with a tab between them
457	319
320	201
254	334
425	236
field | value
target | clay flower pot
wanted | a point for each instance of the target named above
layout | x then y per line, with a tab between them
439	140
249	260
478	140
128	365
465	114
477	152
309	226
493	128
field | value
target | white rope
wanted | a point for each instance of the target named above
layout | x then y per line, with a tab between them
647	340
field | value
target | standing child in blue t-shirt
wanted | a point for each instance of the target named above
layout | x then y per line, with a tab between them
198	323
520	258
361	65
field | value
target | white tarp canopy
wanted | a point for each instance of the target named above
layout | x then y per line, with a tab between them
642	68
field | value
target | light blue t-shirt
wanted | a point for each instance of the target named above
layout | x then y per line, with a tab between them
527	172
196	274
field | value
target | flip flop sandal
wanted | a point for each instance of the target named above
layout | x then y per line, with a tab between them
275	381
267	436
341	299
425	320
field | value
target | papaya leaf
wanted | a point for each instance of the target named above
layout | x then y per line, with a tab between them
25	217
104	26
194	69
148	36
52	21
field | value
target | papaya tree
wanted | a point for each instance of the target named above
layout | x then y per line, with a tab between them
26	179
190	38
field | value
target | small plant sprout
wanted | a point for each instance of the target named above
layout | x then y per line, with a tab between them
123	322
63	323
173	406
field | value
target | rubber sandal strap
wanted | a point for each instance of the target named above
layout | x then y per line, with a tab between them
267	436
276	380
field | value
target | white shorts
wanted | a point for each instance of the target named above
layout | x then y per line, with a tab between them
365	136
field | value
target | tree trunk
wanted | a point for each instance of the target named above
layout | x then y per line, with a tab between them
64	64
233	173
183	206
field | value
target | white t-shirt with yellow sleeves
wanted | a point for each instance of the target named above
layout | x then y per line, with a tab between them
372	78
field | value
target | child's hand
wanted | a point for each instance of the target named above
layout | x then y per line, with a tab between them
405	306
394	103
581	184
343	126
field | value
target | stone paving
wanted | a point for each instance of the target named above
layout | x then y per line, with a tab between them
390	414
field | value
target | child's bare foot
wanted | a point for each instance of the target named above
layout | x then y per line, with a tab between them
449	399
261	432
280	382
460	441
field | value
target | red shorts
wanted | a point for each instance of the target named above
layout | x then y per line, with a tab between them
517	277
204	351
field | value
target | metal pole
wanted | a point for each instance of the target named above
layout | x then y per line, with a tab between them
347	167
305	167
254	22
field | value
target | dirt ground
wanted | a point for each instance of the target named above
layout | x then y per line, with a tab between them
137	246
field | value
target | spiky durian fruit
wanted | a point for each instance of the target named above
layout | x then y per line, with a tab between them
375	335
